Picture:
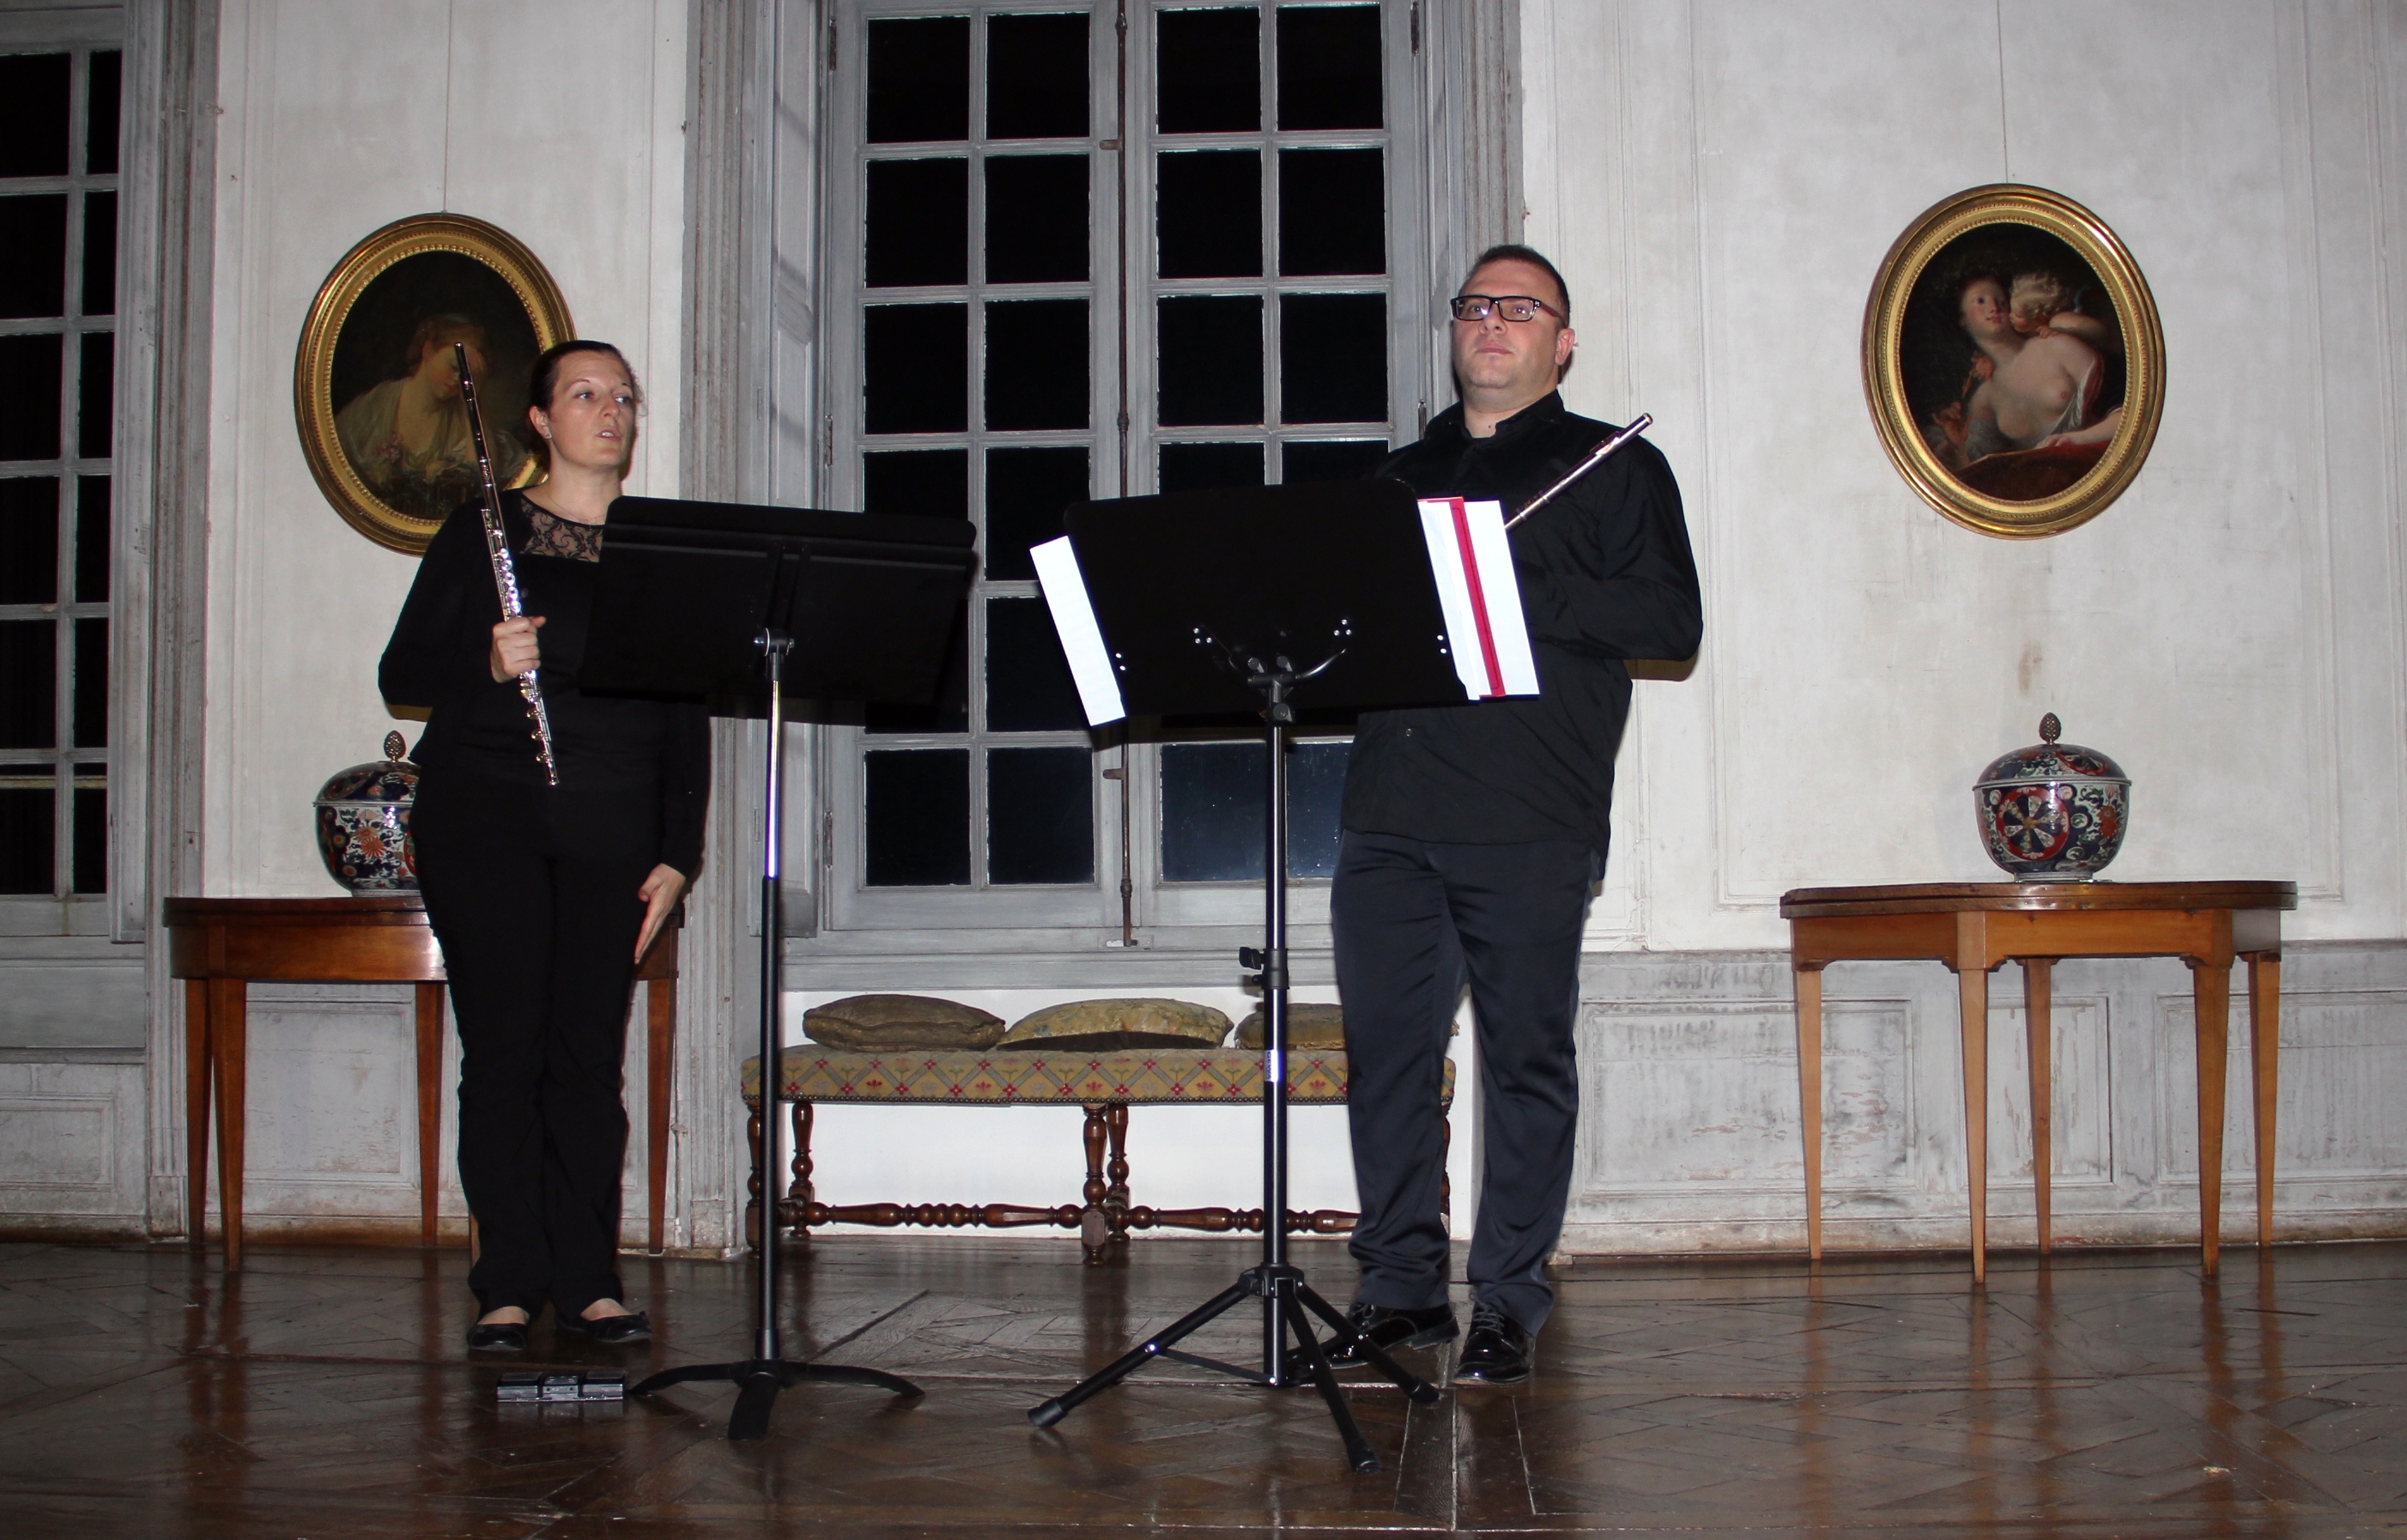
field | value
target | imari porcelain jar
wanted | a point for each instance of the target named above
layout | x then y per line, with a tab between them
2055	812
363	824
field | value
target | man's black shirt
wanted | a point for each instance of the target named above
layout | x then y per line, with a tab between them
1606	575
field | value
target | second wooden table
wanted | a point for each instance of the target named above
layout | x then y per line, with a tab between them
1973	927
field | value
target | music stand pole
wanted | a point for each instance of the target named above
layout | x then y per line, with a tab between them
760	1378
1286	1296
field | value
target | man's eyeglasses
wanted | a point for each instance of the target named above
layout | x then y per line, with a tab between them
1511	306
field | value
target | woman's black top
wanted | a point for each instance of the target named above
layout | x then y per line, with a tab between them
606	745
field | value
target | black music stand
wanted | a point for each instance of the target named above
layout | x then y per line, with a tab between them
1312	597
734	604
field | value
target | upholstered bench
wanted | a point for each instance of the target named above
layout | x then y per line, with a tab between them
1105	1084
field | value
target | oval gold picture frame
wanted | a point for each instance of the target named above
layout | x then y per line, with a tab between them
422	279
1902	313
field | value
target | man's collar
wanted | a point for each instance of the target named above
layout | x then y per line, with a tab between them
1546	408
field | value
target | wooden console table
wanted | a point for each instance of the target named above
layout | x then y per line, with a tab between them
1973	927
220	945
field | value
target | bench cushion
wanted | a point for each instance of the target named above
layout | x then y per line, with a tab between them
1116	1026
1142	1076
885	1022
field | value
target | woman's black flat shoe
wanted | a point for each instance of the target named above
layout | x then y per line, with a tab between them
500	1336
610	1331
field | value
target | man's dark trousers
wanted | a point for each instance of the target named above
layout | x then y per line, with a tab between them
1412	919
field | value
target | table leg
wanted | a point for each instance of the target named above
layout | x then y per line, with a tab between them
229	1006
659	1042
1972	1002
2211	987
2038	1032
1809	1099
2265	1065
430	1108
196	1109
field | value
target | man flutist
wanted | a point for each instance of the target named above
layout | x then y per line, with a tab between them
1474	833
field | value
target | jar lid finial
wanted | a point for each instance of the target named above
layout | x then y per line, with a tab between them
2050	729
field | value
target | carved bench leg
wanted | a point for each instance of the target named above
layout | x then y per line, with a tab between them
1094	1221
752	1184
1446	1176
1116	1196
796	1209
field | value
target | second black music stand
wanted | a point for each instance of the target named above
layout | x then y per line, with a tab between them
1260	600
735	605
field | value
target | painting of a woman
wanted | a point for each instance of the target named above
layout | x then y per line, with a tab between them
407	437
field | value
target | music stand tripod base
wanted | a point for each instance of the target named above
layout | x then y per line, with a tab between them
705	601
1289	1302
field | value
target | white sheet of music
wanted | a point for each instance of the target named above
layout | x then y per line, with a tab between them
1082	640
1481	597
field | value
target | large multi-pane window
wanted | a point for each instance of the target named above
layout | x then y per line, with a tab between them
58	306
1088	260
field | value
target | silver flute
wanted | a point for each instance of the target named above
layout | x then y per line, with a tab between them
505	572
1597	456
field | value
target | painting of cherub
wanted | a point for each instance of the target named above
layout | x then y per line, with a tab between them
2013	362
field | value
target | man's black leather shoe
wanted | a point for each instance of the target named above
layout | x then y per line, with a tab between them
500	1336
1392	1330
1497	1351
610	1331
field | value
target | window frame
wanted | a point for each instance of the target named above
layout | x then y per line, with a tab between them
1129	903
64	910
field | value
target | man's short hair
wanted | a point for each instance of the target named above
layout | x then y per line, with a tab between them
1535	259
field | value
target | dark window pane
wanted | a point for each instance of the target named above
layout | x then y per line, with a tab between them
1040	816
1211	360
928	483
34	255
1210	467
917	817
1209	214
1212	798
1210	70
96	412
29	383
1028	685
1315	788
34	118
1037	355
92	829
29	540
1350	460
918	223
919	79
949	712
92	539
28	684
1328	67
1332	211
1025	492
916	360
90	699
100	254
100	107
1036	77
1036	222
25	832
1332	358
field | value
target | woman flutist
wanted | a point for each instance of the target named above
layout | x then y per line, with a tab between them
543	895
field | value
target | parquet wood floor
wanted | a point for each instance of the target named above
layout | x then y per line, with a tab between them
322	1395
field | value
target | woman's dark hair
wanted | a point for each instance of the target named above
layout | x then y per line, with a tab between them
434	329
543	374
543	382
